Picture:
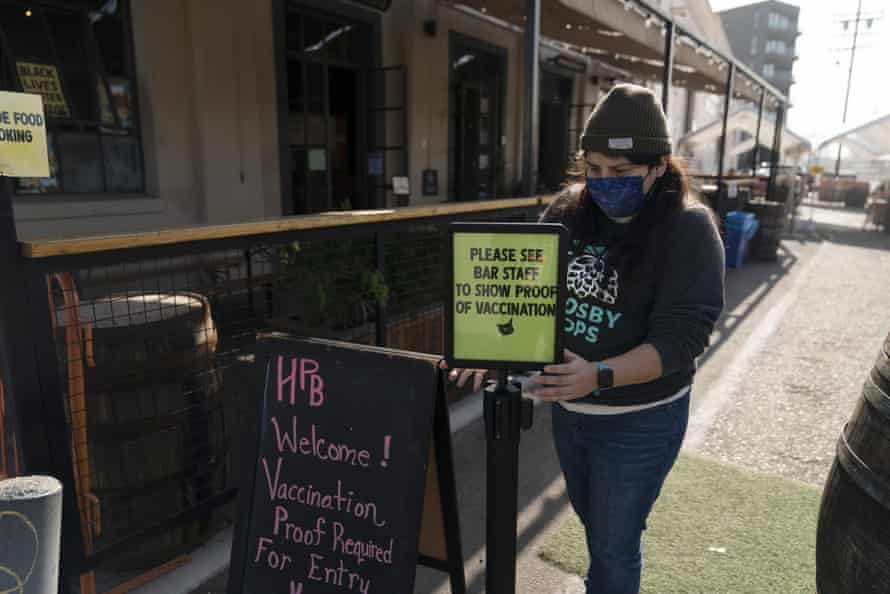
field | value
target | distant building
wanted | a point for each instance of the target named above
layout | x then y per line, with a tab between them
763	35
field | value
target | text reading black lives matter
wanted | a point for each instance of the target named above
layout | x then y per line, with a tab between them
339	478
504	280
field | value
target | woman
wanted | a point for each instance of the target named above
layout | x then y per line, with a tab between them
645	280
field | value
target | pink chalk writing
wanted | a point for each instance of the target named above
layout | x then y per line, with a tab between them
308	495
338	575
291	532
308	369
296	588
318	447
387	441
272	558
360	550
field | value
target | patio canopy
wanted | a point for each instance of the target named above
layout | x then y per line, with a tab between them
745	119
623	34
868	141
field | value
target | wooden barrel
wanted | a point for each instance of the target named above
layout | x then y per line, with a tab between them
830	190
853	540
155	427
771	218
856	194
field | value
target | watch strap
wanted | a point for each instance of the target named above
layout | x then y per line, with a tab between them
605	377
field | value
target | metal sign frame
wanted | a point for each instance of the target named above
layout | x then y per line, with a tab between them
559	319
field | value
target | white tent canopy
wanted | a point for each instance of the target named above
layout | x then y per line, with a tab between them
745	119
869	141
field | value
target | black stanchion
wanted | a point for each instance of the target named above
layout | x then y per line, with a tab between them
479	338
506	413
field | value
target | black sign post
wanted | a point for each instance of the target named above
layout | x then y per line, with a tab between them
505	411
506	311
334	496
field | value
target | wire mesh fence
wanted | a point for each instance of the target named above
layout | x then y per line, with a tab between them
154	352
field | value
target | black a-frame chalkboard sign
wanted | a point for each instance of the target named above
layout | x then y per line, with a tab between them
350	482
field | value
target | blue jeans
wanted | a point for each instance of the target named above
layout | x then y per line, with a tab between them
614	466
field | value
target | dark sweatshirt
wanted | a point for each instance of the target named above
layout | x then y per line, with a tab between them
673	307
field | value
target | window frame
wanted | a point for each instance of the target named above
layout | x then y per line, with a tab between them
779	22
96	70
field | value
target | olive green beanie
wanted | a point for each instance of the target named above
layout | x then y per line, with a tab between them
628	120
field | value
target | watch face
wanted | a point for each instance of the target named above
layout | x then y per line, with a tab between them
605	377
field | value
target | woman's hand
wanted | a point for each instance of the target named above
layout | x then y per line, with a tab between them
573	379
462	375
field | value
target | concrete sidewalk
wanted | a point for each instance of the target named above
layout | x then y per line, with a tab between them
786	364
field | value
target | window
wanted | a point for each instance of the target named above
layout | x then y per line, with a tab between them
769	69
779	21
756	19
776	46
79	59
753	46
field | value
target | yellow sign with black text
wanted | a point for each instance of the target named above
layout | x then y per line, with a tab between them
507	294
22	136
43	80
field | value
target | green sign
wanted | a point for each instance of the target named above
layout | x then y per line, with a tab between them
506	294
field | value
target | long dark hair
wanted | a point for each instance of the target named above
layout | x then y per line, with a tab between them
635	254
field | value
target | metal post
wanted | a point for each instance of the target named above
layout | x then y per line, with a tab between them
18	364
381	307
31	377
756	156
840	143
727	103
667	75
503	420
777	149
532	93
8	269
690	111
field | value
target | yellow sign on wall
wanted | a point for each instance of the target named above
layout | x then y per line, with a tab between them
22	136
43	80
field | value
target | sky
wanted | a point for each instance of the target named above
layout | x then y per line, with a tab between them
821	73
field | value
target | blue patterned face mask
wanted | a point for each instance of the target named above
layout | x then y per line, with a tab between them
617	197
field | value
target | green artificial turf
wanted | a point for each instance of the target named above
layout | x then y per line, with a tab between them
718	529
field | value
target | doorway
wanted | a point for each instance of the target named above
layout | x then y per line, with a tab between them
477	75
553	150
325	136
343	93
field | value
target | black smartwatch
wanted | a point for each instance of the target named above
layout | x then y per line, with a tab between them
605	378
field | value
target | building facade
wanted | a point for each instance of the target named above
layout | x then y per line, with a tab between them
170	113
764	36
167	113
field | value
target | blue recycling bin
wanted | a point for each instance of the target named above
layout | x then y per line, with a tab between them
740	228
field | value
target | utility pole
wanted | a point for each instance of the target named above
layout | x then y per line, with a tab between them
858	19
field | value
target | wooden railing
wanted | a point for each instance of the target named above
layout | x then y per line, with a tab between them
114	375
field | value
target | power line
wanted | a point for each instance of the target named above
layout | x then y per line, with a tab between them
869	19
